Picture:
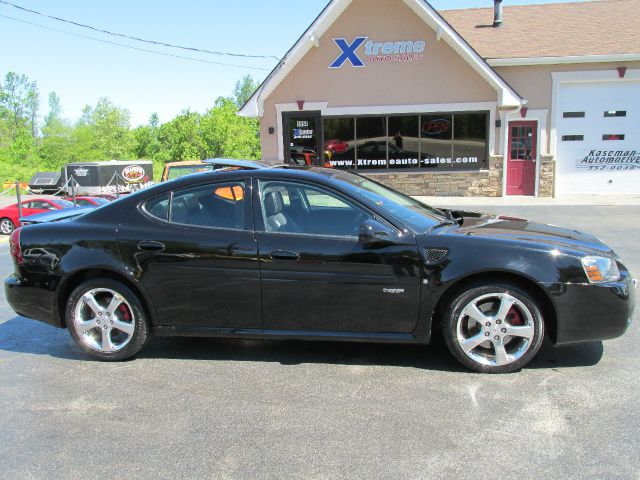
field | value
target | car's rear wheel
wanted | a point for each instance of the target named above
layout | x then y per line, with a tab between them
6	226
107	320
493	328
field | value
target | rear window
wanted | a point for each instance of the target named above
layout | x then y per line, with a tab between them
158	207
182	170
63	203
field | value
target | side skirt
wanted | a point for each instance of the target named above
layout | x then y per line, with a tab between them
165	331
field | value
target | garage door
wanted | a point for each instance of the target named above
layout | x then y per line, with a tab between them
598	138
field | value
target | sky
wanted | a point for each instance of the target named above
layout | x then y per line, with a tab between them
81	70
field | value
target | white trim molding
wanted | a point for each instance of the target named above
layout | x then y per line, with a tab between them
507	96
521	61
327	111
590	76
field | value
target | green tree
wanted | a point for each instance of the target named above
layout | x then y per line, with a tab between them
227	135
19	103
245	87
102	133
112	130
145	139
180	138
55	149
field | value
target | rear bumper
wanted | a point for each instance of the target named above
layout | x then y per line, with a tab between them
31	300
593	312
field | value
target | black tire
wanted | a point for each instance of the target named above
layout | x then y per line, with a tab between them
6	226
459	328
99	288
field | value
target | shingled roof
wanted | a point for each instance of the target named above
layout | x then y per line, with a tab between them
602	27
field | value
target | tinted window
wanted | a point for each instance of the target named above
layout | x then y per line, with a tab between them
371	147
218	205
470	140
289	207
177	171
62	203
158	207
403	139
339	144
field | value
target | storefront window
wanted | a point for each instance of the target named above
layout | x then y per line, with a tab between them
339	142
371	144
404	142
436	140
470	142
442	141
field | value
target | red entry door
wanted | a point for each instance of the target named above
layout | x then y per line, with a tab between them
521	161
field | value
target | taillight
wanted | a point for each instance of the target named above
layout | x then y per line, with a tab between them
14	246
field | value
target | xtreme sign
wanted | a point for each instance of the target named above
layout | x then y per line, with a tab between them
377	52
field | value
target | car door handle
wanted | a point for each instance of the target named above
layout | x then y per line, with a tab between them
150	246
284	255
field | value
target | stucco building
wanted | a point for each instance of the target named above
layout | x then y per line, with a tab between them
526	100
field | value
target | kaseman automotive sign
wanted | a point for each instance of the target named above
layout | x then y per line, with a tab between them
362	51
610	160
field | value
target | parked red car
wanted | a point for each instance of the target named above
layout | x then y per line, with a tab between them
9	216
89	201
336	146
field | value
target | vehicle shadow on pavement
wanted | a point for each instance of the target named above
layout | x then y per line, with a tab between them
290	352
21	335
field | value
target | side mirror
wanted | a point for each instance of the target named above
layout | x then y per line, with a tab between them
373	232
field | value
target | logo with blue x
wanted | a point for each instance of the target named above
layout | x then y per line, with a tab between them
348	52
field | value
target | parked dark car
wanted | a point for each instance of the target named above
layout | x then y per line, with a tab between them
315	254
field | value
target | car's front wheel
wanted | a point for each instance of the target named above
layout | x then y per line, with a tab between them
6	226
107	320
493	328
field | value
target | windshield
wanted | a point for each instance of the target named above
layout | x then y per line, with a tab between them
176	171
415	214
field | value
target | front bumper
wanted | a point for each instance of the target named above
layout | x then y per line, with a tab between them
31	300
588	312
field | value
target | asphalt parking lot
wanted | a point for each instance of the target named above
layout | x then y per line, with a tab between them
196	408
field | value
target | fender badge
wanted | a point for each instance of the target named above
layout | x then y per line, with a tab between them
394	291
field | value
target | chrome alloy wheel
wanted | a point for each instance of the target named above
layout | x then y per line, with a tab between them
495	329
104	320
6	226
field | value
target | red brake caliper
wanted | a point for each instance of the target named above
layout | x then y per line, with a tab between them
514	317
125	312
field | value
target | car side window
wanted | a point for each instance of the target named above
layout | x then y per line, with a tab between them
290	207
158	207
218	205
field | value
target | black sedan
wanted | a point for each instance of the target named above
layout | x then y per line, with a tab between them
315	254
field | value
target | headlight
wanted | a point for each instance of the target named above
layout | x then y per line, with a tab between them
601	269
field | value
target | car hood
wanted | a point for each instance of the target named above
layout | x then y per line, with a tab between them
55	216
520	230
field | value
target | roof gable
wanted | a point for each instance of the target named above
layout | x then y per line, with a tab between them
507	97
